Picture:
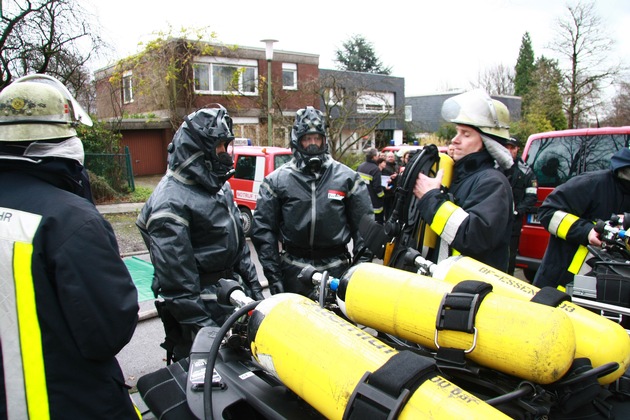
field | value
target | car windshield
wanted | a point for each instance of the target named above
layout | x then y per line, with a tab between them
557	159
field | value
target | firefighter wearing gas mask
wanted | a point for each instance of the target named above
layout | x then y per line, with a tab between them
69	304
193	230
312	206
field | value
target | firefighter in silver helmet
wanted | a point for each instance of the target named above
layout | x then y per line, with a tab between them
474	217
69	304
312	205
193	230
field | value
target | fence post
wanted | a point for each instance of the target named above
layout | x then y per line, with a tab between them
130	179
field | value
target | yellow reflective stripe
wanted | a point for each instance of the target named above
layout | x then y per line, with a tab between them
367	177
455	252
30	334
442	215
561	222
578	259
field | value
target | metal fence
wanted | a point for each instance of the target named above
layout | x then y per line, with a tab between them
115	168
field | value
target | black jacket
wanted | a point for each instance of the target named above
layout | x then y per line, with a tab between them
590	196
482	231
524	191
85	303
371	174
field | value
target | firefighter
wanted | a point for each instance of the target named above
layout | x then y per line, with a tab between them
68	302
371	174
474	217
569	213
193	231
525	194
312	205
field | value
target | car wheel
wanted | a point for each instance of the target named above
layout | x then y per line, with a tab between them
529	274
246	220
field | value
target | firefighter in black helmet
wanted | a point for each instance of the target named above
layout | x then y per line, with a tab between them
68	302
193	230
312	205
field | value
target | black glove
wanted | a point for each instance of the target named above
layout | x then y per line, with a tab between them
275	285
256	290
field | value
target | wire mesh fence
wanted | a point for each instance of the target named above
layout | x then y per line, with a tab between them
116	169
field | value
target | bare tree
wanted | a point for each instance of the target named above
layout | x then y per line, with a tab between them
57	37
620	104
341	97
582	42
497	80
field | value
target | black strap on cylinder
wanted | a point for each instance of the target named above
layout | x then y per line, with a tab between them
384	393
459	307
550	296
457	313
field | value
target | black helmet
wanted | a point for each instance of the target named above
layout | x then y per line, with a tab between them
207	127
309	121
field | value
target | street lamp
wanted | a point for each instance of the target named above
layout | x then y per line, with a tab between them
269	57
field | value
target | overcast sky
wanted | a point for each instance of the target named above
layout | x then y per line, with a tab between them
434	45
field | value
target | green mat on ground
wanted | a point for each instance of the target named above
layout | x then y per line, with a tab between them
142	274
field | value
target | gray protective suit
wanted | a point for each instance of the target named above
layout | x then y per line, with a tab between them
196	237
313	215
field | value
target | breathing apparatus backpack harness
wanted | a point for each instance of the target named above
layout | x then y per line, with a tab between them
405	229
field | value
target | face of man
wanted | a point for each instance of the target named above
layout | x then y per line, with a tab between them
512	149
312	142
466	141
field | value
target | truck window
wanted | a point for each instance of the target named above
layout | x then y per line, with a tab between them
557	159
280	160
245	168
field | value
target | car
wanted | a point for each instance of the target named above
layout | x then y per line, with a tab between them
252	164
556	157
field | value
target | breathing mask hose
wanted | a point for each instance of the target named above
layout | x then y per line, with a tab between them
214	352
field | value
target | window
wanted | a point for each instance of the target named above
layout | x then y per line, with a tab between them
225	76
557	159
127	87
245	168
375	102
334	96
289	76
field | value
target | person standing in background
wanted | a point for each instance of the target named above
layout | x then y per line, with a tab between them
371	174
525	194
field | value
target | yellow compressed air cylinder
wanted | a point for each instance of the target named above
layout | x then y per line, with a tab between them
597	338
516	337
321	357
445	163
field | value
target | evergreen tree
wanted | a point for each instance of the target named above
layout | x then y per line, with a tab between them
544	95
524	67
358	54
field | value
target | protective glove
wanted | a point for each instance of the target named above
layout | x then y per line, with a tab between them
256	290
275	285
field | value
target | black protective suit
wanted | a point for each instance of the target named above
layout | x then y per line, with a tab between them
77	307
196	238
371	174
569	213
475	218
525	193
313	215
